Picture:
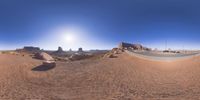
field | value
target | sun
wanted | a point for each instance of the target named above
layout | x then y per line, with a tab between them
70	38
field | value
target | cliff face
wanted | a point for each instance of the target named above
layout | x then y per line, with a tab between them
29	49
124	45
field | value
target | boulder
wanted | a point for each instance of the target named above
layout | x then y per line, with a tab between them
49	63
44	56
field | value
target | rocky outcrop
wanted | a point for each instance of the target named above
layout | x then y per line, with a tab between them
60	49
59	52
31	49
44	56
137	47
109	55
124	45
80	49
113	53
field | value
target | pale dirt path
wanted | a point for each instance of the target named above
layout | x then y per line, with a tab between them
121	78
161	57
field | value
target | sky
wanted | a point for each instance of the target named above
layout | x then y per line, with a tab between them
99	24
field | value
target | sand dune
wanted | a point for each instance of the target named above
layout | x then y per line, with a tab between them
123	78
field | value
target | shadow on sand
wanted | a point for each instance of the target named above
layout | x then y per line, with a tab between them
42	68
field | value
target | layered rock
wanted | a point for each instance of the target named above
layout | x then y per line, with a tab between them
59	52
124	45
29	49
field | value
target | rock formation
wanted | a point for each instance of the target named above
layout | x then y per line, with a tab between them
124	45
44	56
29	49
113	53
60	49
109	55
80	49
70	50
59	52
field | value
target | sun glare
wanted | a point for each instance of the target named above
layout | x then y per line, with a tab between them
70	38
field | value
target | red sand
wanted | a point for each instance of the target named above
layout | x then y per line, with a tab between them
121	78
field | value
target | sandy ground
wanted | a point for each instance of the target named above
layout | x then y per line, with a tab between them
122	78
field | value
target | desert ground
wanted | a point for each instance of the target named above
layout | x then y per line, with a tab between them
124	77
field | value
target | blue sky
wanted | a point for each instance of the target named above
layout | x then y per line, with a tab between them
99	24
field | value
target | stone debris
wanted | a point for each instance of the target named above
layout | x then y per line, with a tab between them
109	55
62	58
79	56
113	53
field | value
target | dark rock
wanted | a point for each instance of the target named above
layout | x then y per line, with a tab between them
80	50
60	49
